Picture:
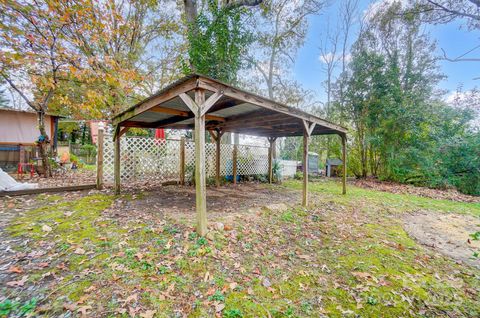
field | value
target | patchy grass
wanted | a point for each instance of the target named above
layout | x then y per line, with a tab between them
399	202
344	256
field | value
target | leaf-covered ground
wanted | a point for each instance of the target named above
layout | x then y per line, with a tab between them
96	255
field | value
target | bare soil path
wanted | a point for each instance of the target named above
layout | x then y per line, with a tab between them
449	234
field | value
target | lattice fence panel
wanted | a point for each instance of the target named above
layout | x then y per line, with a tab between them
143	158
252	160
226	159
153	159
189	160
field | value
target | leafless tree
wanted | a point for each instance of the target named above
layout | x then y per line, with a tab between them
330	59
445	11
283	26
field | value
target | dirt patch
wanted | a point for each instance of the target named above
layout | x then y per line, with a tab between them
66	178
449	234
225	202
393	187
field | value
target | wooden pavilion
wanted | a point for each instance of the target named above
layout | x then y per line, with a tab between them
204	104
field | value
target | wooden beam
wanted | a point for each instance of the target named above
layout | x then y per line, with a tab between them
48	190
182	161
170	111
271	141
234	164
305	168
189	102
212	134
123	131
183	113
116	160
218	140
211	101
236	93
308	127
100	146
155	100
344	167
200	179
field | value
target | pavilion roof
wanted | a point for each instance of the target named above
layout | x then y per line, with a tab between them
232	110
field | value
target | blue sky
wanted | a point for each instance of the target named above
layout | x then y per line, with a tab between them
455	41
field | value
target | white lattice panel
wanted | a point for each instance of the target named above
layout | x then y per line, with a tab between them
143	158
148	158
252	160
226	159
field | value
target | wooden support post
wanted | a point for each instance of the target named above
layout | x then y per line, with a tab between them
116	162
271	141
200	179
344	160
234	164
305	168
218	140
100	156
182	161
307	131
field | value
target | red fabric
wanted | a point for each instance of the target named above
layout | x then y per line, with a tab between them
159	133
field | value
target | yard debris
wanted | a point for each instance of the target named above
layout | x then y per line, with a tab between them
15	269
18	283
277	207
143	255
79	251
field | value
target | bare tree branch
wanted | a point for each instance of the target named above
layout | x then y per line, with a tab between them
461	57
456	12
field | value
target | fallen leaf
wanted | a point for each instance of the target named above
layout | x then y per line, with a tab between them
206	278
233	285
148	314
79	251
133	297
219	307
15	269
46	228
362	275
70	307
83	310
18	283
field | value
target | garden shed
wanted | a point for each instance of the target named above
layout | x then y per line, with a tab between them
203	104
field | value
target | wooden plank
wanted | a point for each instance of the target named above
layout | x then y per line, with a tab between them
48	190
212	134
189	102
200	178
305	168
218	140
211	101
155	100
344	159
100	159
260	101
170	111
116	160
234	164
123	131
271	141
182	161
308	127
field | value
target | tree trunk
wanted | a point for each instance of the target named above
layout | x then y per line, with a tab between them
43	143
